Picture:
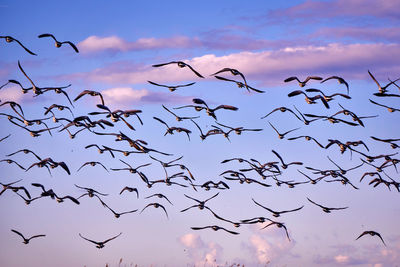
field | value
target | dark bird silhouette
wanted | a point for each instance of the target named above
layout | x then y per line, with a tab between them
26	151
389	141
308	138
240	84
10	161
234	72
170	130
390	109
279	225
282	135
309	99
382	89
215	228
130	189
339	79
155	205
100	244
326	209
327	97
372	233
171	87
130	168
116	214
178	118
302	83
90	192
91	93
284	165
180	64
160	196
201	203
10	39
26	240
276	213
281	109
57	43
92	163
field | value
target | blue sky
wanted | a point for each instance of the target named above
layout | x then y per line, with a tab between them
268	42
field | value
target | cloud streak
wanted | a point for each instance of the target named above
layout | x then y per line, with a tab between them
268	67
127	96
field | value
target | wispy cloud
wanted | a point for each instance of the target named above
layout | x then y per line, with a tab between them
268	67
384	34
94	44
339	8
126	96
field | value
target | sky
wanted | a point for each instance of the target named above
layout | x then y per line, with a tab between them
267	42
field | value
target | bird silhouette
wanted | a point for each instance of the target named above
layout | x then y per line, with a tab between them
57	43
26	240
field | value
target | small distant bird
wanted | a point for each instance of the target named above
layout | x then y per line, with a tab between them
10	39
326	209
239	84
100	244
282	135
130	189
26	240
57	43
215	228
339	79
372	233
155	205
160	196
92	163
302	83
180	64
277	213
178	118
171	87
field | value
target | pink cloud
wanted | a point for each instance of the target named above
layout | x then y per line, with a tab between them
340	8
372	255
13	93
268	67
199	252
94	44
391	34
268	245
126	96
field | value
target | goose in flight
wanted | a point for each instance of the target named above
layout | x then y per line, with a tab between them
26	240
372	233
57	43
10	39
180	64
100	244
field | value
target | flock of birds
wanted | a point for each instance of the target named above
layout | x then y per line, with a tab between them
178	174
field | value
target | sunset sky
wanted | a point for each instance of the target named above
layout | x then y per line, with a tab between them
267	41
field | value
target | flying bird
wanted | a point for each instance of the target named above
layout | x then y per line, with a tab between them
26	240
326	209
339	79
180	64
276	213
171	87
302	83
372	233
57	43
215	228
100	244
10	39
